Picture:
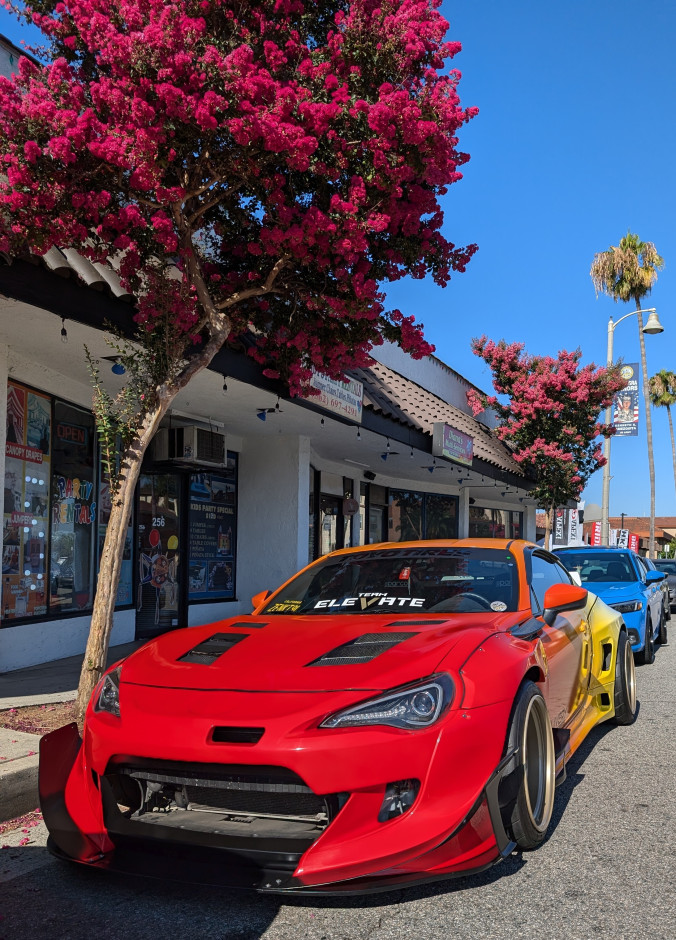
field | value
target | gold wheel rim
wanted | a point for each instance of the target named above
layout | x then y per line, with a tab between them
538	764
630	677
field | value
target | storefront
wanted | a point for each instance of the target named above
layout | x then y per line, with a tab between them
180	548
209	532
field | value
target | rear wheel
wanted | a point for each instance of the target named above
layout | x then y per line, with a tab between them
646	656
531	734
625	682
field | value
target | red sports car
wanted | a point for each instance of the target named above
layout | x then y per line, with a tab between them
393	714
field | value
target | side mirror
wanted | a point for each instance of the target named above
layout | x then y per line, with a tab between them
561	597
653	577
259	599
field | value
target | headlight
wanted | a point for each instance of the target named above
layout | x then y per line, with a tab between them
627	607
416	706
109	697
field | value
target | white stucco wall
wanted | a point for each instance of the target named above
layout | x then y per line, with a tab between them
273	514
33	643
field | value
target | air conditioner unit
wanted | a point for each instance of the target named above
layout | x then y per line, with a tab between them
191	445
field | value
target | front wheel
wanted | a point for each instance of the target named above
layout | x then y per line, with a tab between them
646	656
530	733
624	693
662	635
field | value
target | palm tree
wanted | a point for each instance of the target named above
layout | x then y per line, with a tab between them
663	395
627	272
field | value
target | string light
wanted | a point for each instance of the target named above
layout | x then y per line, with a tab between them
64	331
225	385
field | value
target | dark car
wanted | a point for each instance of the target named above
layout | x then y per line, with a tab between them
664	586
668	565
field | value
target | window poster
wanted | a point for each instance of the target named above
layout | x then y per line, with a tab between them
212	525
159	553
26	503
73	510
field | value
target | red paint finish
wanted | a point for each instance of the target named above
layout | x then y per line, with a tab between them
270	681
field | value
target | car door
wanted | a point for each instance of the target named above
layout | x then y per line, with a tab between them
653	592
567	642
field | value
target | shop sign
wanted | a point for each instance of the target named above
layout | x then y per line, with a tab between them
72	434
342	398
23	452
596	534
350	506
452	444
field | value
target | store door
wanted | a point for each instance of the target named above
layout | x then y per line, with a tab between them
331	524
158	551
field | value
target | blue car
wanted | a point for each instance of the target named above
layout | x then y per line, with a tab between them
621	578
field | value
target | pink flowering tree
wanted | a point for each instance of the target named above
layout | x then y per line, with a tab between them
279	159
549	411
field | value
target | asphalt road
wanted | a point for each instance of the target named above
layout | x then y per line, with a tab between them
607	869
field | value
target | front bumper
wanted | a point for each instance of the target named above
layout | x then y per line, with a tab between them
354	854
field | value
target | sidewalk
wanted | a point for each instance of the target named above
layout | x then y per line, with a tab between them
37	685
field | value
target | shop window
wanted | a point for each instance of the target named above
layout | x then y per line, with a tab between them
378	514
485	523
73	511
212	533
406	515
441	516
26	503
414	516
159	553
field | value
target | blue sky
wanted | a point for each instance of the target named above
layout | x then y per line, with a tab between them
574	145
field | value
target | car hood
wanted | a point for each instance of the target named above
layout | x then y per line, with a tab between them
616	593
309	653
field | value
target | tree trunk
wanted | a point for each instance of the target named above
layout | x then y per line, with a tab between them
96	652
649	432
548	528
673	444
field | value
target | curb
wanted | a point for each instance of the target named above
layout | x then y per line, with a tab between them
18	787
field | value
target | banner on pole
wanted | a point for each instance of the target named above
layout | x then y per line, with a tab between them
625	406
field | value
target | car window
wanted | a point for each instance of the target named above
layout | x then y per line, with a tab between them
642	568
401	581
545	573
668	566
600	566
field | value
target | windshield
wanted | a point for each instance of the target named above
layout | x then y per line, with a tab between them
435	580
600	567
668	566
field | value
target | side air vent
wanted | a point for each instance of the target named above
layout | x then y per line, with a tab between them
222	735
362	650
208	651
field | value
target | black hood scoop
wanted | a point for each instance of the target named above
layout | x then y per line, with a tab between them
361	650
208	651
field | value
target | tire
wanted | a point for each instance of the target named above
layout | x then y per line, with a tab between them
530	733
646	656
624	693
662	634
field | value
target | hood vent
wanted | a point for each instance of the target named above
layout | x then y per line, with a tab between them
248	624
414	623
208	651
362	650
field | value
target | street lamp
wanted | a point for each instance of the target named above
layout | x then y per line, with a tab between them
652	326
